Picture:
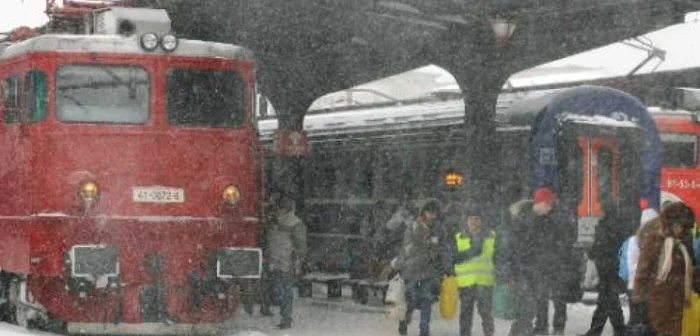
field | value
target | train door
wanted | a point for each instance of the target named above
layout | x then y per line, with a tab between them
600	165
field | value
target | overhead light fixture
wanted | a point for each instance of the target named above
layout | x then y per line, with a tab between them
503	28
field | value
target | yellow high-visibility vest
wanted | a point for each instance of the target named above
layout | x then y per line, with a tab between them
479	270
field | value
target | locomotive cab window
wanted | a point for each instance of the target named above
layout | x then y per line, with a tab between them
35	82
679	150
205	98
12	88
102	94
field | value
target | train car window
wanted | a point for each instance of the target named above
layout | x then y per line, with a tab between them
679	150
102	94
13	100
605	174
36	95
199	97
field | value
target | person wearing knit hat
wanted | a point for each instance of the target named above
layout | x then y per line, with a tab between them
530	262
543	200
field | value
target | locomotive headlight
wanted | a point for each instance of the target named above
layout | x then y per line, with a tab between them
231	194
149	41
89	191
169	42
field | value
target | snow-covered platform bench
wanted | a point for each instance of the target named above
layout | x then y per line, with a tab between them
334	282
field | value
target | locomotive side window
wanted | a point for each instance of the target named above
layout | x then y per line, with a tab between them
205	98
102	94
36	95
679	150
13	100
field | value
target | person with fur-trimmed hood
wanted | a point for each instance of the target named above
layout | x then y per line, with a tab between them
664	262
529	261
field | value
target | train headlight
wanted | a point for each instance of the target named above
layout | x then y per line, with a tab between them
230	194
89	191
169	42
149	41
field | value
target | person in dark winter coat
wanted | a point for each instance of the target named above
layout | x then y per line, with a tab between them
420	264
663	266
530	262
285	251
604	253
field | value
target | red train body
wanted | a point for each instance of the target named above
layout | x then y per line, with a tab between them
130	182
680	176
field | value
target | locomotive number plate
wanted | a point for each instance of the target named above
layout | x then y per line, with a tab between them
158	195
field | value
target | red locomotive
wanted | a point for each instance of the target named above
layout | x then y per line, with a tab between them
130	175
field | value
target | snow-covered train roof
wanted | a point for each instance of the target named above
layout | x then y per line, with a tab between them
121	45
425	116
376	119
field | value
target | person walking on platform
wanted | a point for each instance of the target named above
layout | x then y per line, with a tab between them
419	263
525	260
638	315
285	251
604	253
472	256
664	260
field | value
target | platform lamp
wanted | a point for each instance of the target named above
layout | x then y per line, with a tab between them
503	27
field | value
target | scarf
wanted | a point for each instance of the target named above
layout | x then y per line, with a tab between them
666	262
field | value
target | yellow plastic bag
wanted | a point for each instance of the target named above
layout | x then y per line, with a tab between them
449	295
691	317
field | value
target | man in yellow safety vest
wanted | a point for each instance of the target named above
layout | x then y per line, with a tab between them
472	257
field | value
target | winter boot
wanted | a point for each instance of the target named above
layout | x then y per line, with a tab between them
403	328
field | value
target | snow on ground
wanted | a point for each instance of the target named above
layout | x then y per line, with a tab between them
322	317
13	330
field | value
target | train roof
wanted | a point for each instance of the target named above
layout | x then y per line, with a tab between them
121	45
381	119
513	114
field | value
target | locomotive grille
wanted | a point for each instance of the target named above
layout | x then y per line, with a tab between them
239	263
94	261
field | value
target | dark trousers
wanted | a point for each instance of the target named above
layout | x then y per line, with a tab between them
483	297
608	306
547	290
277	289
525	306
421	294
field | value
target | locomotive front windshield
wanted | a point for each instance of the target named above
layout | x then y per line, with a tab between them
199	97
102	94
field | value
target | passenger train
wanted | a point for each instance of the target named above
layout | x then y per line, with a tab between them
364	157
131	178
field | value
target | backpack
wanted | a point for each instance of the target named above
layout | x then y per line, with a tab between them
624	271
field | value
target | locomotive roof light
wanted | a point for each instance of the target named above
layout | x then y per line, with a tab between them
169	42
231	195
89	191
149	41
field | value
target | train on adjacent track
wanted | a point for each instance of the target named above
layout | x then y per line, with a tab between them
364	159
131	176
